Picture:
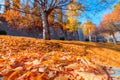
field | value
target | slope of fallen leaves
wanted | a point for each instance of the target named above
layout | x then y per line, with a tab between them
33	59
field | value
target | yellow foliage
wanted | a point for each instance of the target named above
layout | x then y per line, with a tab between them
117	6
72	15
88	26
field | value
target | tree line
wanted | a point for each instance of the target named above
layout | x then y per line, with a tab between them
110	23
41	13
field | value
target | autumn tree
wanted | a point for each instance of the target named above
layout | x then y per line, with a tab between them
21	15
27	20
12	16
95	32
72	16
37	22
51	17
16	4
43	8
116	12
117	6
60	15
7	7
46	7
88	28
108	25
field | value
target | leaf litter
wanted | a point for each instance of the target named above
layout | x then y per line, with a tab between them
24	59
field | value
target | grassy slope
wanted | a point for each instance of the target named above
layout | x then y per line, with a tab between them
97	52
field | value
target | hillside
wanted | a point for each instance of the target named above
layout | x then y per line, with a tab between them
23	58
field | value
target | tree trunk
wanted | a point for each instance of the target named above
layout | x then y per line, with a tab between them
77	35
108	40
46	34
65	33
95	38
114	39
89	35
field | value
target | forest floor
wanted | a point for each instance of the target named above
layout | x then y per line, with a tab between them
26	54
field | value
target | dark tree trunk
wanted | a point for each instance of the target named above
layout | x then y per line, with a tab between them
77	34
46	34
65	33
114	39
95	38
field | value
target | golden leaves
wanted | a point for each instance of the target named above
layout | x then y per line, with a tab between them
88	26
13	17
110	20
72	15
56	64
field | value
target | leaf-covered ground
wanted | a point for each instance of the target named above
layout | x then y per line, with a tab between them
24	58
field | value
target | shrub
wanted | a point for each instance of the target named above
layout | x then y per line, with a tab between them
104	40
97	40
62	38
87	39
3	32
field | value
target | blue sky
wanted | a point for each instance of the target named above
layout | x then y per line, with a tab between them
93	6
1	9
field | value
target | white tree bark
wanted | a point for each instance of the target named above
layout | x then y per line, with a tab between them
114	39
46	35
89	35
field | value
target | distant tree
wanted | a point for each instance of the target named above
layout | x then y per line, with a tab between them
19	16
12	16
60	15
51	17
16	4
27	19
117	6
37	21
96	32
109	25
7	7
88	28
116	12
46	7
72	16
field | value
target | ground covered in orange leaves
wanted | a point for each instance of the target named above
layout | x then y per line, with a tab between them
24	58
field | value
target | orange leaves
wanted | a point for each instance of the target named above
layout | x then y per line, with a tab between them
116	15
29	64
17	15
109	17
2	68
88	27
13	75
110	20
13	17
50	67
16	4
